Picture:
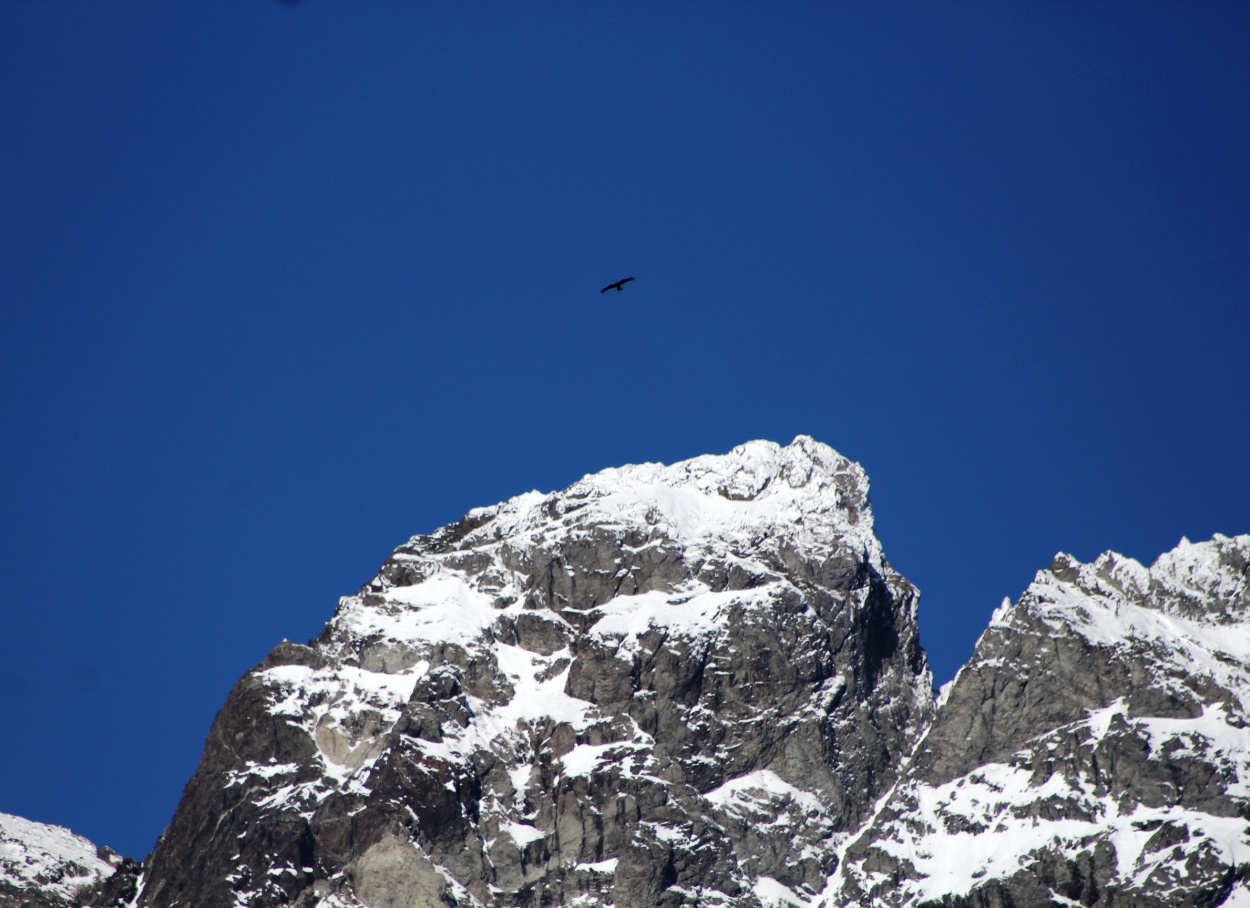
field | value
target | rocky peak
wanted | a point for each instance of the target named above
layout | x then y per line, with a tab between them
754	487
1204	581
1186	616
1093	751
751	504
48	866
661	686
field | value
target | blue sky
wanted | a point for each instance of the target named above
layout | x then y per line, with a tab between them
286	284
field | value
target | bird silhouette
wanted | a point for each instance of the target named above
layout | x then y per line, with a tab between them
619	285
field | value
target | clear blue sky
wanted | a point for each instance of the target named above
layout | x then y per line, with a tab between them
286	284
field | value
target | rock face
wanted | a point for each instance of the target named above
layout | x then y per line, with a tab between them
1094	751
663	686
45	866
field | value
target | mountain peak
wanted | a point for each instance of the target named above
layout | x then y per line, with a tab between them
1093	751
687	677
1207	581
718	503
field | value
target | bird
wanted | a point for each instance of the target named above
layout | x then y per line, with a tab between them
619	285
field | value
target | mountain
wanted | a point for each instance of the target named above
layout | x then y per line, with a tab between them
661	686
702	684
1094	751
45	866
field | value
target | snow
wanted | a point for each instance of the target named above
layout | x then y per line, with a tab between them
445	608
608	866
773	894
1100	720
627	758
1002	613
49	858
533	699
1214	737
1004	838
521	833
747	791
1194	570
668	834
347	711
298	684
498	727
520	776
1064	901
721	503
693	611
1215	727
584	759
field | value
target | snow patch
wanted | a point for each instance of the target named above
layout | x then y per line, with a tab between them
608	866
48	859
748	791
773	894
694	611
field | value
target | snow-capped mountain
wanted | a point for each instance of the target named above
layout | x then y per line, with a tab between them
702	684
42	865
1094	751
661	686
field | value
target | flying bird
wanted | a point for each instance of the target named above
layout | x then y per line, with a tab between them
619	285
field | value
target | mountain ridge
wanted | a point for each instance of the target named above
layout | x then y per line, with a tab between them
702	683
1135	744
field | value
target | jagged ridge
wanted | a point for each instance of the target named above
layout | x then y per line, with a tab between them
1095	750
702	684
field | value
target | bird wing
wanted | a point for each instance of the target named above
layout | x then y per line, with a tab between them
617	285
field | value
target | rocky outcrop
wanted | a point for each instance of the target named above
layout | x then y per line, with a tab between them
44	866
1094	751
665	685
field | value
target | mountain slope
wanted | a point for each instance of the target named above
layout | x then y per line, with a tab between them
665	685
1094	751
47	866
